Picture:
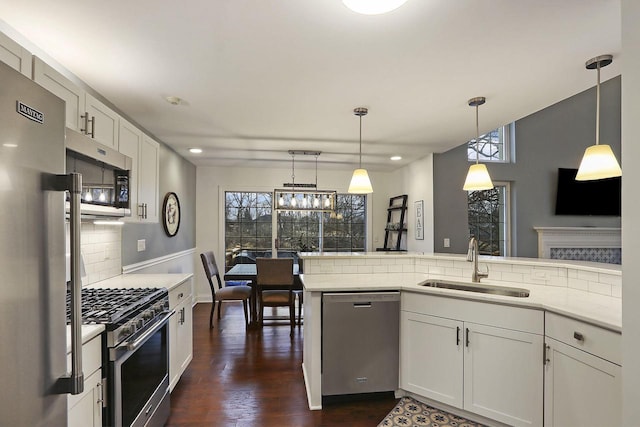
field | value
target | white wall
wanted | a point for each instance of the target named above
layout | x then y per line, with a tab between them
416	180
630	209
212	182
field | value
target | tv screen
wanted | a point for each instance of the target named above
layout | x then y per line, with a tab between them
600	197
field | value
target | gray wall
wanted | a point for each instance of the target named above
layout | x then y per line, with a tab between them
544	141
179	176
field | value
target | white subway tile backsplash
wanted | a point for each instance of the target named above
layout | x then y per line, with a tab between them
373	261
395	269
494	266
380	268
455	272
610	279
572	273
599	288
577	284
588	275
436	270
349	269
365	269
557	281
444	263
512	277
616	291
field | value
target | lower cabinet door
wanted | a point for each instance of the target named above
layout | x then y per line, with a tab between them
86	410
431	351
503	374
580	389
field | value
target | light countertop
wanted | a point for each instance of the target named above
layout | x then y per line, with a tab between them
597	309
168	281
88	333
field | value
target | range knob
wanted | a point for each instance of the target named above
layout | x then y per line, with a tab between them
148	314
126	331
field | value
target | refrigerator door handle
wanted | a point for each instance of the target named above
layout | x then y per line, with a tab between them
74	382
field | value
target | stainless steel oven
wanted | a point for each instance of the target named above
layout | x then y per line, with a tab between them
135	353
139	371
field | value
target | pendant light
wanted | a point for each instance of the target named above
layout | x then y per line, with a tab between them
360	182
598	161
478	176
373	7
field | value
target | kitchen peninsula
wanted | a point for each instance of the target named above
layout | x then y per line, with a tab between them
572	307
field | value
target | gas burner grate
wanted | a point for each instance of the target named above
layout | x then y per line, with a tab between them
106	306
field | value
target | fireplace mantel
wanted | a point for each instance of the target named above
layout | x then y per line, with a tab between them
593	238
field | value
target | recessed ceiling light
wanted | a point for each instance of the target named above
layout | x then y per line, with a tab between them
373	7
173	100
395	158
195	150
9	145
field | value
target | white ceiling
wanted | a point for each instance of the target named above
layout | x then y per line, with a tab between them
260	77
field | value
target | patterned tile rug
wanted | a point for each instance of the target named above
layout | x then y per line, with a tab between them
411	413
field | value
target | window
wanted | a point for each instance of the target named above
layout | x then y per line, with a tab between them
248	226
493	146
488	213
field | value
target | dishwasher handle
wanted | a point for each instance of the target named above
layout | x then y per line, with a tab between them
362	305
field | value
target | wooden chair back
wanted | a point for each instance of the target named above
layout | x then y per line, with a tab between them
275	272
211	270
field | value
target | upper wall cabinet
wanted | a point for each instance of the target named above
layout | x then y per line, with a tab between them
143	183
14	55
84	112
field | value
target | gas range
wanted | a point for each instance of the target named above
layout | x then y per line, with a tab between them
123	311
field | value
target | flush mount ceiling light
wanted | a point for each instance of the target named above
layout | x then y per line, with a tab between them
360	182
173	100
373	7
478	176
303	197
395	158
598	161
195	150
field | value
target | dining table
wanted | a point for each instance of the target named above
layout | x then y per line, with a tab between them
249	273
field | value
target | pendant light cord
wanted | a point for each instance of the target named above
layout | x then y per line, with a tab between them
477	136
360	162
293	171
598	106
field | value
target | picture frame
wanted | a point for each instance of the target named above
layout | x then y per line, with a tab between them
419	211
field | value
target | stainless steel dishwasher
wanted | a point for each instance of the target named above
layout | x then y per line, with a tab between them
360	342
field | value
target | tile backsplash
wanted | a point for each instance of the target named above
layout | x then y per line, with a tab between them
101	247
589	279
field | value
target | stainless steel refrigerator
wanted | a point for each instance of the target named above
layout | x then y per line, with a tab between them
33	367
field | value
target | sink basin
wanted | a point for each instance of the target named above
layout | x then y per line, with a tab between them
477	287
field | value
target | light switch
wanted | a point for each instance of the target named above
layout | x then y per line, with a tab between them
142	245
447	242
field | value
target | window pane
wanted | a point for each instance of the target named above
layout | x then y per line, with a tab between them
490	147
487	219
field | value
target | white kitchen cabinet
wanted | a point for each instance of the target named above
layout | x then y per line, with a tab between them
85	113
148	180
15	56
180	330
479	357
143	181
582	374
74	96
431	357
85	409
104	122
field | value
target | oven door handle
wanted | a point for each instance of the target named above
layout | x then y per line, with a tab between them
130	346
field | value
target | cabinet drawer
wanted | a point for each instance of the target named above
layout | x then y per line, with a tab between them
181	292
91	356
592	339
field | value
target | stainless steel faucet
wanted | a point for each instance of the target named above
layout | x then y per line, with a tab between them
472	256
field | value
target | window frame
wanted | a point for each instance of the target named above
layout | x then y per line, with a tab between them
506	229
508	146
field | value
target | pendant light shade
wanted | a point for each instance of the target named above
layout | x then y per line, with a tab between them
478	176
360	182
373	7
598	161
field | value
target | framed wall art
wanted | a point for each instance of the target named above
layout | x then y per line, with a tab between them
419	210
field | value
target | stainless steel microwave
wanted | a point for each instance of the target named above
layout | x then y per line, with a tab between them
105	176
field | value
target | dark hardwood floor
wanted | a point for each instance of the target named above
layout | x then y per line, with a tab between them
254	378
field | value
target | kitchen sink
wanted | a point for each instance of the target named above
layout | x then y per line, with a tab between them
477	287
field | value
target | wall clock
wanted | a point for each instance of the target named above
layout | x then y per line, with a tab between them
171	214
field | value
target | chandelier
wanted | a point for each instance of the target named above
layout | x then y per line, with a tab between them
303	197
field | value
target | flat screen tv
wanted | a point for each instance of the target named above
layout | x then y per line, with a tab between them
600	197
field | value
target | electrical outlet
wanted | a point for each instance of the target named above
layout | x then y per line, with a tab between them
447	242
142	245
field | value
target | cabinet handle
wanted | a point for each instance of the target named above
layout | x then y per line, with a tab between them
145	210
182	316
578	336
545	353
180	295
84	129
457	335
467	338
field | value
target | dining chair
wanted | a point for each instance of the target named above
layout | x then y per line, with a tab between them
275	286
220	293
